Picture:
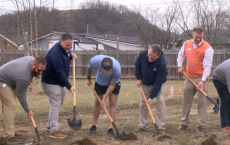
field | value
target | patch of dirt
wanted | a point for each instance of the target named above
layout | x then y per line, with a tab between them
163	137
129	136
84	141
3	141
211	140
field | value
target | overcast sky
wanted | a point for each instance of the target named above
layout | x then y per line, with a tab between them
6	5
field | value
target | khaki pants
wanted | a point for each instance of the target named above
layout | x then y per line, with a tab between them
8	99
189	92
160	108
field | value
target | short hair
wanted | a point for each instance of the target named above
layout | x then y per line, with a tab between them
40	59
198	29
156	49
106	63
66	36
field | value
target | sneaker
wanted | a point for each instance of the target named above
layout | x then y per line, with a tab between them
48	129
182	127
110	132
56	134
139	130
200	129
92	129
14	140
162	131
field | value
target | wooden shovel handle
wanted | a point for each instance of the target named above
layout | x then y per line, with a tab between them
151	114
98	98
194	84
32	119
74	93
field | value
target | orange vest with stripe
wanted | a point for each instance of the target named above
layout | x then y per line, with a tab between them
195	58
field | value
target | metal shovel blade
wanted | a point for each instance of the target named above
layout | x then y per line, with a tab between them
216	107
119	135
74	124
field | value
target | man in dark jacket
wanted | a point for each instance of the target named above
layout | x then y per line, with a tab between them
151	74
55	78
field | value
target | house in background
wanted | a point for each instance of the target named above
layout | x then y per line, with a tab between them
47	41
87	42
7	44
125	42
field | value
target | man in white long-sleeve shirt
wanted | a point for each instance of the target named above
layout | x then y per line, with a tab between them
199	61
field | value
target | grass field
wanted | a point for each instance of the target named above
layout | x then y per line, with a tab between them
127	117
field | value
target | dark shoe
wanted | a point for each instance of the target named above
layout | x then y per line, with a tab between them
14	140
92	129
18	135
48	129
200	129
139	130
182	127
110	132
162	131
57	134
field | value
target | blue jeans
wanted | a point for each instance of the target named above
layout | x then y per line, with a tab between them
224	95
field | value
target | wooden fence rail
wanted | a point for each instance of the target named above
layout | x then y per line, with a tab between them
126	59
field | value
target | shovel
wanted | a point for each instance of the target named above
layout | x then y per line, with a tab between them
36	130
118	135
74	124
150	112
216	108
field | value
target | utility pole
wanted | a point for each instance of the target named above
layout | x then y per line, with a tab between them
87	28
117	56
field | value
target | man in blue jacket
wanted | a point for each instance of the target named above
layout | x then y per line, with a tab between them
151	74
55	78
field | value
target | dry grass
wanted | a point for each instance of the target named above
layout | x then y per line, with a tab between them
127	118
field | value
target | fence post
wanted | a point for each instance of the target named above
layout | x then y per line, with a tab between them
25	46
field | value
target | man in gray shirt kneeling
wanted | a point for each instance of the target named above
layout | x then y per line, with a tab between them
15	77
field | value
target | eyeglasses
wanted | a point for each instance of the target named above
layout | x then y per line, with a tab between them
38	68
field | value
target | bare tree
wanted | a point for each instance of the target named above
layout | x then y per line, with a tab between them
155	25
212	15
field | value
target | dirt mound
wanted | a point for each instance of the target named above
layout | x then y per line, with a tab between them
84	141
211	140
129	136
3	141
163	137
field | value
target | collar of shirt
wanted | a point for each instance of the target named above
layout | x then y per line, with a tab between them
195	46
